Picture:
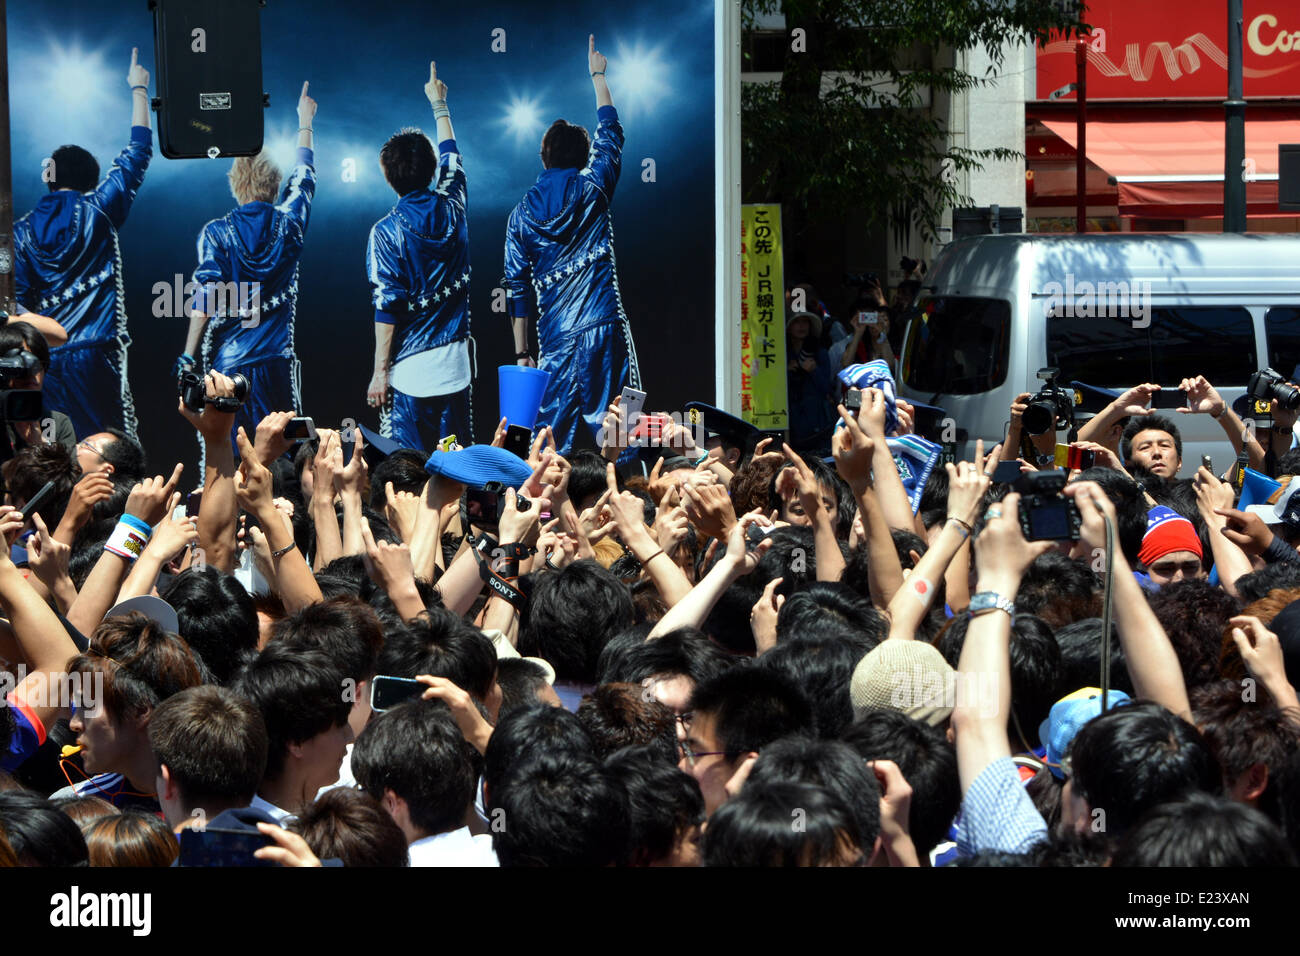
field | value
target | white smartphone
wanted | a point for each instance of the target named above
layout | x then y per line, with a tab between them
632	401
868	318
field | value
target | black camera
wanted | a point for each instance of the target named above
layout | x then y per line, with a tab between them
194	393
1051	409
1270	385
485	506
1045	513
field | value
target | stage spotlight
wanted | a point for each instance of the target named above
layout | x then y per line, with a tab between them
638	78
80	84
523	118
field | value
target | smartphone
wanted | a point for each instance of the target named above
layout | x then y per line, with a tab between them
192	502
632	401
868	318
1207	462
483	505
755	534
519	441
1006	472
387	692
221	847
853	401
300	430
1169	398
45	493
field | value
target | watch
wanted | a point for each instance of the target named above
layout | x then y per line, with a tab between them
990	601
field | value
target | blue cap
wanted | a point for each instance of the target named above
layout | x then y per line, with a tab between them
1067	717
476	465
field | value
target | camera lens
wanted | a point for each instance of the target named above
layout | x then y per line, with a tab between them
241	386
1286	396
1039	417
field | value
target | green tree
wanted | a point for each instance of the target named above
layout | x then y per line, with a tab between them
858	140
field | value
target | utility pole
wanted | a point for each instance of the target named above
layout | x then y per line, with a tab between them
1234	139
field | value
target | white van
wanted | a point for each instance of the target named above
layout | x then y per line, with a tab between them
1146	308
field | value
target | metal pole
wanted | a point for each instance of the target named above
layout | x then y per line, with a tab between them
1081	134
1234	139
6	176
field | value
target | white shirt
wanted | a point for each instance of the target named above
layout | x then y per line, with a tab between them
454	848
345	775
271	809
444	370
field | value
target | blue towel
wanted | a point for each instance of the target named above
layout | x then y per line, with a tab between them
915	457
875	374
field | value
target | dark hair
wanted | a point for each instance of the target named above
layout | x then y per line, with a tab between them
1146	423
1135	757
85	809
587	479
1204	830
927	762
19	335
559	809
1244	734
1194	613
349	825
345	628
536	728
405	469
520	681
830	764
133	837
125	454
1059	590
826	608
217	618
1280	575
1035	671
754	828
32	467
685	651
408	161
572	615
1080	645
821	667
751	707
439	643
142	664
624	715
934	498
664	803
565	146
214	743
417	751
300	694
38	832
73	168
1130	507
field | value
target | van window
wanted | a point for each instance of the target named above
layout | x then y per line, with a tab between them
1181	342
1282	332
958	346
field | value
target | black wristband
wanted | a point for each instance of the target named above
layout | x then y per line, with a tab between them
523	354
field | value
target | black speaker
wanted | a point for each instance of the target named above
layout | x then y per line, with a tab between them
209	77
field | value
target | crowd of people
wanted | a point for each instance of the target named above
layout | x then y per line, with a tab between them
718	652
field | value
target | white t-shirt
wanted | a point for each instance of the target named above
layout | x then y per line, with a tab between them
454	848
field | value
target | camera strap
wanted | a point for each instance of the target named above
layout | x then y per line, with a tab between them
500	585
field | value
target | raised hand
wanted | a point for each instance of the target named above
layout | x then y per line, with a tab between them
435	89
269	442
306	108
46	556
763	615
596	61
852	449
252	480
149	498
137	75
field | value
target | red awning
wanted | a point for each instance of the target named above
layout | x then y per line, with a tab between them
1169	165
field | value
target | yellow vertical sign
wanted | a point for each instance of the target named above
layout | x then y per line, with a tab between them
763	400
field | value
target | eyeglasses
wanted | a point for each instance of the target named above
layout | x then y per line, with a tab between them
85	443
692	756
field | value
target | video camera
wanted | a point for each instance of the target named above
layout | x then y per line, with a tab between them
1046	514
483	507
1269	385
194	392
1052	409
19	404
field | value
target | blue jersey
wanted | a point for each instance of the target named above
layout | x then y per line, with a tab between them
248	267
560	241
67	264
417	262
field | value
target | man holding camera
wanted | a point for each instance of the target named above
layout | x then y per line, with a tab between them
257	246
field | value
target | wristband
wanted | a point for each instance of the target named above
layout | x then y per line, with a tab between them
305	129
524	354
962	526
703	458
646	562
134	88
285	550
129	538
599	73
